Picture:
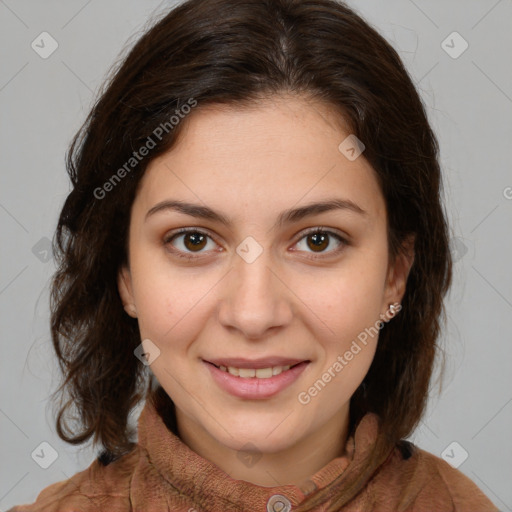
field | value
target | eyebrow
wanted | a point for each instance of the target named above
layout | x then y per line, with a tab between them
286	217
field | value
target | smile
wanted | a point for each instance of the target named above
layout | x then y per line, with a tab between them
255	383
260	373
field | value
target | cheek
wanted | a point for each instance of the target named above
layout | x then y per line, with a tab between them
171	304
345	326
346	300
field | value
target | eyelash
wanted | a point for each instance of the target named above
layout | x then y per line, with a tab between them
181	254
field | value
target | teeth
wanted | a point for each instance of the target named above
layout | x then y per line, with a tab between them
246	372
263	373
260	373
233	371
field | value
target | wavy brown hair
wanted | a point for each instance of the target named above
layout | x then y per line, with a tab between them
238	52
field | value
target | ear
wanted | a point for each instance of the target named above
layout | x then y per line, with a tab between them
398	273
124	286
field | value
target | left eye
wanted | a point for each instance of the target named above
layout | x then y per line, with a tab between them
319	239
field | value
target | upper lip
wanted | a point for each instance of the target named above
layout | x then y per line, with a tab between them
265	362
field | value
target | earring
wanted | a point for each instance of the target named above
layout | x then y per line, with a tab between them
394	308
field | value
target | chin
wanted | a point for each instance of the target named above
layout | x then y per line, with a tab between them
266	439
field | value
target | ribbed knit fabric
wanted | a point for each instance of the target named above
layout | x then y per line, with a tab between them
163	474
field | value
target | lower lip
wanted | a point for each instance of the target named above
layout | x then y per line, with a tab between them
252	387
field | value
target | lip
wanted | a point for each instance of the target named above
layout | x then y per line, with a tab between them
265	362
252	388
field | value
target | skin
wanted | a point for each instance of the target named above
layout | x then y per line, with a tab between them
250	164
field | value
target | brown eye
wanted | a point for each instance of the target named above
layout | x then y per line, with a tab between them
319	239
194	241
187	242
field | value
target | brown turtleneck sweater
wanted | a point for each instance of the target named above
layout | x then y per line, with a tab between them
163	474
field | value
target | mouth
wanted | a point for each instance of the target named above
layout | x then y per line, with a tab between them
263	368
255	379
258	373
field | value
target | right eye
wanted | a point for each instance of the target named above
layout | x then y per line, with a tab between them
190	241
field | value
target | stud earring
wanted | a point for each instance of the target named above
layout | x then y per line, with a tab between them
394	308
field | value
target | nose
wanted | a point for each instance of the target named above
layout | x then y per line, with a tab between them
256	298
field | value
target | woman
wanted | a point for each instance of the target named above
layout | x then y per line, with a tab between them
256	216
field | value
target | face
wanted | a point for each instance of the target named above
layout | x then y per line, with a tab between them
261	283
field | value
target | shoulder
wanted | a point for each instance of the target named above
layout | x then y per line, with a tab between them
424	482
96	488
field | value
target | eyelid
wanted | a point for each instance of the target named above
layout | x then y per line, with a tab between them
322	229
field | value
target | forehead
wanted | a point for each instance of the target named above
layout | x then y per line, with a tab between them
259	160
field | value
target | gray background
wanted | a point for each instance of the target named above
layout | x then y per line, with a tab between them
469	100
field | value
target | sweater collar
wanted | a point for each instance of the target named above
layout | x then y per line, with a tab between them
212	489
